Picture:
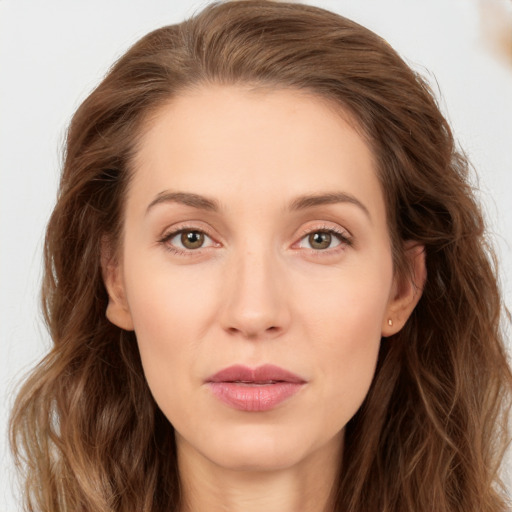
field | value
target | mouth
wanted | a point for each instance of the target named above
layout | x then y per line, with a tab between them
254	389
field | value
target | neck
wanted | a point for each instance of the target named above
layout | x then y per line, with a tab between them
307	486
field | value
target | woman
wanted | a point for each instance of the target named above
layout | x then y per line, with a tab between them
267	284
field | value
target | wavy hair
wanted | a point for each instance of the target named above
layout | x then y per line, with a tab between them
432	431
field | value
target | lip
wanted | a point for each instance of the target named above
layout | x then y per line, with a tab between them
254	389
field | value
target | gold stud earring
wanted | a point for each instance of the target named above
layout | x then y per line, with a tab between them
390	322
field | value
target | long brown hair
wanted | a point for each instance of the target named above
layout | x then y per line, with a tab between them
431	433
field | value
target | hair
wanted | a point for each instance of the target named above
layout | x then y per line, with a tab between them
433	428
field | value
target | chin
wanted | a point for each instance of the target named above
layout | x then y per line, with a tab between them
260	455
258	448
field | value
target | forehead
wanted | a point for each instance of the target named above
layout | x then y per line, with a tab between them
232	142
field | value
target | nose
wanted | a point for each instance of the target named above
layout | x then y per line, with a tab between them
255	304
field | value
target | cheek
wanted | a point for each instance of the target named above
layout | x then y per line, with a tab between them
345	322
349	304
167	302
172	309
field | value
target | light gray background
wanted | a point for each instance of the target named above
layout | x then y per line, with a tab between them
52	53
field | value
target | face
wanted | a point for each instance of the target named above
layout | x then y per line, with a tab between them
256	272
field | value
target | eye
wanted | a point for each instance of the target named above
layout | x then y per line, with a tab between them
187	239
191	239
322	239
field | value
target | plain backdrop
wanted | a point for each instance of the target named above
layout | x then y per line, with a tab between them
53	53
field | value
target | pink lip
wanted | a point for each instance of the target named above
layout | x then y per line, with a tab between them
254	389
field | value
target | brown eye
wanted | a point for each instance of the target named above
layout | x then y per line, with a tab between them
192	239
320	240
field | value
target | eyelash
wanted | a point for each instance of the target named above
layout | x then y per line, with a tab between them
343	237
182	252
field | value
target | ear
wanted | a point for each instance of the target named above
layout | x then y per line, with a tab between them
406	290
117	309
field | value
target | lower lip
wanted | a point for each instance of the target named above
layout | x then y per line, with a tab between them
254	397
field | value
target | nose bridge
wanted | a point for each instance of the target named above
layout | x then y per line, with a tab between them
256	303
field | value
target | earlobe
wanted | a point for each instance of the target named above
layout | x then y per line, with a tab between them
117	311
407	290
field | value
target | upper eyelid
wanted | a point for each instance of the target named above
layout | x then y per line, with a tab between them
341	233
171	231
344	238
332	227
344	235
170	234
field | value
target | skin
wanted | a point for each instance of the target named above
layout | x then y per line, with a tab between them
260	289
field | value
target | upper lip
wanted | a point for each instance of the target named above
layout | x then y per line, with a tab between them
267	373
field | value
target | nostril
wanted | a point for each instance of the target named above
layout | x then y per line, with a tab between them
252	333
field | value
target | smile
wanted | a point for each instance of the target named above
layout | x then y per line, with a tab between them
254	389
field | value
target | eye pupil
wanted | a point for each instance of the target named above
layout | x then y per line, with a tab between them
320	240
192	239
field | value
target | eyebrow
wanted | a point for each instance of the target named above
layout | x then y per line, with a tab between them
310	201
300	203
186	198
